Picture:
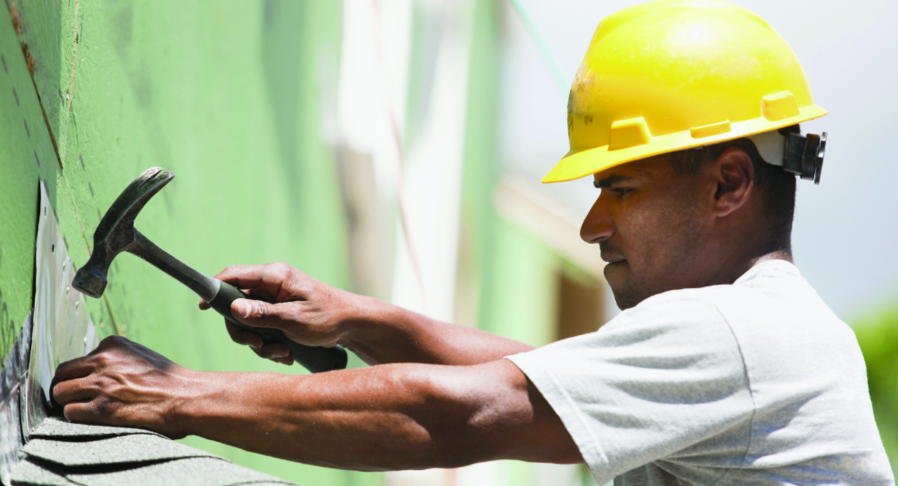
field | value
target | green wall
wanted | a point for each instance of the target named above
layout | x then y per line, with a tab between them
225	94
230	96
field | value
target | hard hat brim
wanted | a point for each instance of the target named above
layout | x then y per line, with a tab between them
582	163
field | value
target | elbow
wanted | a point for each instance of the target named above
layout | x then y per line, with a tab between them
460	417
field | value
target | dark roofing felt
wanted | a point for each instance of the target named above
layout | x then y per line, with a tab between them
62	453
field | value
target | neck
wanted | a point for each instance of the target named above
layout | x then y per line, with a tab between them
755	249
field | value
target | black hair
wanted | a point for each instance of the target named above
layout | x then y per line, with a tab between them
776	185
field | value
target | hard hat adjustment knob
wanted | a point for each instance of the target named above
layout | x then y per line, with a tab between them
804	155
821	152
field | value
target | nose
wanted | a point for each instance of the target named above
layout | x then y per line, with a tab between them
598	225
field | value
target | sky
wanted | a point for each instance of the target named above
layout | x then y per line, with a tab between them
845	236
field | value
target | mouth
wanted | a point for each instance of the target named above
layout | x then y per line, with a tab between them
612	259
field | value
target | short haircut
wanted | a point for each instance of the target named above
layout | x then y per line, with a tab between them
776	185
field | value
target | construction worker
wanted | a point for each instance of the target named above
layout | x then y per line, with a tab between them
725	366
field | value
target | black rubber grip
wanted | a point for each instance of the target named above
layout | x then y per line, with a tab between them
316	359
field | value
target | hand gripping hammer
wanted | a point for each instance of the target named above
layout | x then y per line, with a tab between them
116	233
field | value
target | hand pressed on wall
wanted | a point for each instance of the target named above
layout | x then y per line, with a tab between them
124	383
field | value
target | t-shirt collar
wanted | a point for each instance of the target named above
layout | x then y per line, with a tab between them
766	267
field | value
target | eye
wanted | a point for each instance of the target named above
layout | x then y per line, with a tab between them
621	191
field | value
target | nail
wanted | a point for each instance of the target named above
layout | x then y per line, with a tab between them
243	308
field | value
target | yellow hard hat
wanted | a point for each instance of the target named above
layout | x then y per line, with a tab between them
675	74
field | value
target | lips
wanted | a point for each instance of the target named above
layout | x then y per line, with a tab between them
611	254
611	259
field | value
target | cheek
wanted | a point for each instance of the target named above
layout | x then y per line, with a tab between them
655	236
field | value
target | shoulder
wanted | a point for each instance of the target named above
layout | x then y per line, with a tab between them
687	310
676	330
769	288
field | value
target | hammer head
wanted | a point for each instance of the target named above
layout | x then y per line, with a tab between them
116	230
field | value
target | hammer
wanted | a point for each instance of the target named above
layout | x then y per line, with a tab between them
116	233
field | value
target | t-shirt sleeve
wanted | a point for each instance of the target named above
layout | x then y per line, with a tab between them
659	378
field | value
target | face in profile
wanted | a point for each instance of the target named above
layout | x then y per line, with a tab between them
649	223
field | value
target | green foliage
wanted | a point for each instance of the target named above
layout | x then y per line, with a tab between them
877	335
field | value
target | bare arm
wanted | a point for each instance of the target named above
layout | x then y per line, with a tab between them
391	334
402	416
313	313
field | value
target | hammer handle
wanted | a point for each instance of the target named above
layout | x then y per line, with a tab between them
316	359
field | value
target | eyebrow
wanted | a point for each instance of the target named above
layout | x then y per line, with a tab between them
608	181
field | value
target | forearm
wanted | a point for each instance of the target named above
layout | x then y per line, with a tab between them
380	418
400	416
384	333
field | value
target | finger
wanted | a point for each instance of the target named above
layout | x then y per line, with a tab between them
73	391
284	361
246	338
83	412
257	313
76	368
273	351
258	294
267	277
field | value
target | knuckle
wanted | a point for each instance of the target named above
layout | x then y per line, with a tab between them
95	382
280	268
102	360
104	408
258	309
114	342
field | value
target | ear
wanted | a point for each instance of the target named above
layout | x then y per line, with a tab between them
735	177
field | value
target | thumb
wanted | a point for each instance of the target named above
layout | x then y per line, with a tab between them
259	313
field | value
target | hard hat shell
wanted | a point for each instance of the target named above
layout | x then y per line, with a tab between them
675	74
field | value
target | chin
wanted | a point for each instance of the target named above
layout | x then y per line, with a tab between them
616	274
625	300
626	294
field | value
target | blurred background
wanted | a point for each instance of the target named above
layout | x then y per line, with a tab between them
394	148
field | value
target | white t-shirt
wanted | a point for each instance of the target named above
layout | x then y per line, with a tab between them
752	383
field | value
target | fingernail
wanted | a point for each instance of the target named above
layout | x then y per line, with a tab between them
243	308
281	354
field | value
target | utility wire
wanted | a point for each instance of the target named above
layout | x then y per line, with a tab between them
552	63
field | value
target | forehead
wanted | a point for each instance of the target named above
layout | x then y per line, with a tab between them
650	169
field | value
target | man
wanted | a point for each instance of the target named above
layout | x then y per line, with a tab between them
724	368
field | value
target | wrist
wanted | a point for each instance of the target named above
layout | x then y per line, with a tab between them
202	395
365	321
